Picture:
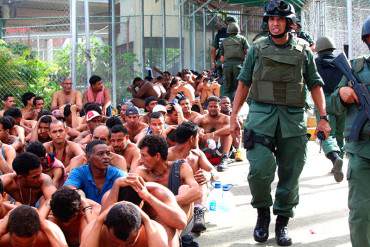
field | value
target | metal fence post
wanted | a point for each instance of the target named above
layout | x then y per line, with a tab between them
204	38
73	27
87	40
163	35
142	39
113	49
349	29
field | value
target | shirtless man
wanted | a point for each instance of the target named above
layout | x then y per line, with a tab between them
93	120
62	149
71	213
141	90
217	127
157	126
24	227
154	199
8	102
7	155
225	105
5	205
100	133
175	115
186	148
98	93
186	109
66	96
124	224
150	103
154	167
41	130
39	104
28	111
133	124
119	141
28	184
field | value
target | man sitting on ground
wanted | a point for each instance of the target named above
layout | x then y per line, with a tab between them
177	176
141	90
217	128
71	213
41	130
66	96
157	126
124	224
28	184
100	133
133	124
154	199
187	138
8	102
150	103
25	228
186	109
50	165
120	142
28	111
62	149
97	176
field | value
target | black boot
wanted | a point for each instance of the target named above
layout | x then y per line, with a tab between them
337	166
261	230
281	231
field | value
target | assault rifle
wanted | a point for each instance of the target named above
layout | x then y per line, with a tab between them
362	93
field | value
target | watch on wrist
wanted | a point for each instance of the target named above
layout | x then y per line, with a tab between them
324	117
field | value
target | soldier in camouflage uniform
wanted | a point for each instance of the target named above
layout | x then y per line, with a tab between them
333	145
297	27
276	74
233	50
345	100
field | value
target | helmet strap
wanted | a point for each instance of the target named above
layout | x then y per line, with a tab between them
278	36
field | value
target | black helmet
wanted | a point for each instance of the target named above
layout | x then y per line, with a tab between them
365	29
279	8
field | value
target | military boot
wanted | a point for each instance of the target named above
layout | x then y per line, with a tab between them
261	230
281	231
337	166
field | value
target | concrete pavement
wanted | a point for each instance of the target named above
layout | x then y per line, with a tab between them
321	216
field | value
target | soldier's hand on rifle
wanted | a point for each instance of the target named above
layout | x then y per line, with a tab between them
348	95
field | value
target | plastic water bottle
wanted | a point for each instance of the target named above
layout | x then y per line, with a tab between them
226	205
215	197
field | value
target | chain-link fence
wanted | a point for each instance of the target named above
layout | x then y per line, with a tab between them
166	34
330	18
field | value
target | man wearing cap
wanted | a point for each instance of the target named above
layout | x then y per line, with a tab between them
233	50
59	146
133	124
93	119
331	75
66	96
345	100
275	76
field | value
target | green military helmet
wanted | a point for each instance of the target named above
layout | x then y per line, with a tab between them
365	29
230	19
233	28
324	43
279	8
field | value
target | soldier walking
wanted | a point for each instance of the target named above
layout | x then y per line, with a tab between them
346	101
276	75
331	75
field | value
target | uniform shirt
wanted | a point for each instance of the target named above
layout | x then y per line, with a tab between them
264	118
82	178
360	147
